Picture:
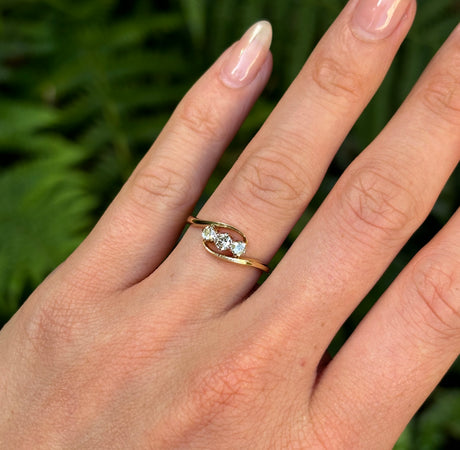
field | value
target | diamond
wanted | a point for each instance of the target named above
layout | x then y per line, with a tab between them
223	241
238	248
209	233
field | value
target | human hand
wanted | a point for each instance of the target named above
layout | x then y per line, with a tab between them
124	346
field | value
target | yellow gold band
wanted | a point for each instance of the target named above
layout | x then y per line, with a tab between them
224	242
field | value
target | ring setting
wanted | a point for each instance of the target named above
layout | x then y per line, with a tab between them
229	249
223	241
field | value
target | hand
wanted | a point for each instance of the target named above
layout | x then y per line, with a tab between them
132	343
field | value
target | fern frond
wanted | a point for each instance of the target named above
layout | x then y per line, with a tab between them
44	212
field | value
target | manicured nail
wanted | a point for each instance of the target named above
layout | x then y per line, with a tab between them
377	19
247	56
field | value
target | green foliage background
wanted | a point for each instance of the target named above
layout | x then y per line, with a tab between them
86	86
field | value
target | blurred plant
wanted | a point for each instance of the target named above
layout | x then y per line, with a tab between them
86	87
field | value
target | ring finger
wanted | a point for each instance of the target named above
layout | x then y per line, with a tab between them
278	173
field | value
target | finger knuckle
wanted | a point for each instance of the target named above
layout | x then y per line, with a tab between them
235	384
373	205
269	178
214	396
222	386
161	185
52	325
201	116
441	96
435	280
337	79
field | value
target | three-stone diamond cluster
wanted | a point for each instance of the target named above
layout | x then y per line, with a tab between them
223	241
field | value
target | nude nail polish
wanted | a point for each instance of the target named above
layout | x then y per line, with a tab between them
247	55
377	19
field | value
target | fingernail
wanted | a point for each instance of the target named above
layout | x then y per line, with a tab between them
377	19
247	55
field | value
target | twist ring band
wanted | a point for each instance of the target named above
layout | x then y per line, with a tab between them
224	242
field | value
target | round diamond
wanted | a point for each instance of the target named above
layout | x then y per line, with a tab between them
223	241
238	248
209	233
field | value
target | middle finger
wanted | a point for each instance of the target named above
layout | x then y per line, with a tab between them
274	179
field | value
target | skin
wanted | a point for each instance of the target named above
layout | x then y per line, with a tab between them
131	344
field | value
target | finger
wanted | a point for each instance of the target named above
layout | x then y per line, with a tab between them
143	223
380	200
271	184
400	351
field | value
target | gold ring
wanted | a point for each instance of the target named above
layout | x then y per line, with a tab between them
224	242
